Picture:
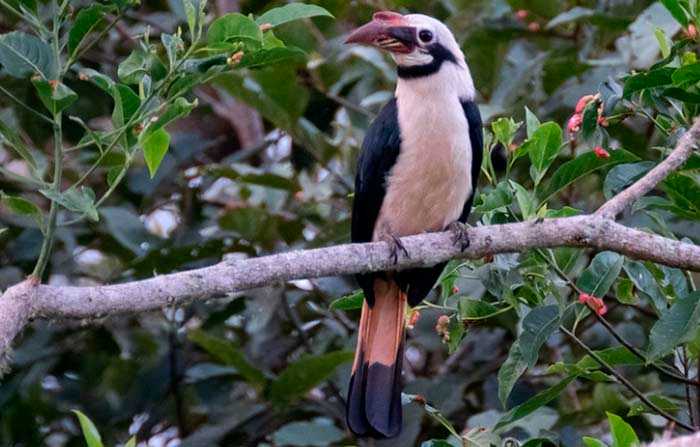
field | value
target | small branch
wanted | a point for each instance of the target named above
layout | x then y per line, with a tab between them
686	145
626	382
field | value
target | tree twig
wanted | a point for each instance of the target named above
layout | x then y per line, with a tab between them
623	380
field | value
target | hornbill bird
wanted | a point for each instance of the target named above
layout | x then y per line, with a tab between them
417	172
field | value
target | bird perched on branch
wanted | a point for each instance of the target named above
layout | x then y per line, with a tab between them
417	172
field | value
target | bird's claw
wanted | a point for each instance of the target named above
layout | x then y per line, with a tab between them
395	245
460	235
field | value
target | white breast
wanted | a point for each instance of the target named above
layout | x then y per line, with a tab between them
431	180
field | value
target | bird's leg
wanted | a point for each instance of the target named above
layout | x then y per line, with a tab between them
460	235
395	245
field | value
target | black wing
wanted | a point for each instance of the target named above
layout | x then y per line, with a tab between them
476	137
380	149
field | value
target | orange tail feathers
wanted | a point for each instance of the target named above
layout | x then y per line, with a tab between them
374	398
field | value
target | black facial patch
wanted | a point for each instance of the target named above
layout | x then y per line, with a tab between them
440	54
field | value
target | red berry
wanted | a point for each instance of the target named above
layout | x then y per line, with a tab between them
601	153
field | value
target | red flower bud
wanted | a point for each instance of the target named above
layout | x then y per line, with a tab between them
603	121
601	153
583	102
575	123
442	327
595	304
692	31
455	290
521	14
413	319
534	27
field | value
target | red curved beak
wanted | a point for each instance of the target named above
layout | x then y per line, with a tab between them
387	30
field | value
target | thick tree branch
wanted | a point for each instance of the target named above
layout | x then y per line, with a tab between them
26	301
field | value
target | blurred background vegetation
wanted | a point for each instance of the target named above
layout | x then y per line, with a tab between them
265	164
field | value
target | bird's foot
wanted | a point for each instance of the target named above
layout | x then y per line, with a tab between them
395	245
460	235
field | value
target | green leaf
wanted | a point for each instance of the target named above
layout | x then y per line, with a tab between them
472	310
504	130
624	291
319	433
622	433
304	374
640	407
582	166
126	103
56	96
22	207
684	192
290	12
538	325
663	42
81	200
271	56
621	176
131	442
592	442
646	284
132	69
686	76
499	197
179	109
195	13
22	55
13	140
102	81
526	200
532	123
532	404
234	27
676	11
90	433
155	146
509	373
650	79
543	148
456	333
617	356
225	352
173	46
676	326
600	275
349	302
88	20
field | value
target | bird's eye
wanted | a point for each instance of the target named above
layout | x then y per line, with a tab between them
425	36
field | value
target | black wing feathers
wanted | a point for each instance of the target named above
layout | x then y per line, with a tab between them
476	135
380	149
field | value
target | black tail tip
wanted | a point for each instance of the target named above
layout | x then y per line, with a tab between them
374	402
